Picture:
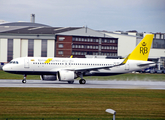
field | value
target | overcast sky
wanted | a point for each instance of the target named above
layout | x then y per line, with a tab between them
110	15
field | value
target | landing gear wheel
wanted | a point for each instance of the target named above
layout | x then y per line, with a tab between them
70	82
82	81
23	81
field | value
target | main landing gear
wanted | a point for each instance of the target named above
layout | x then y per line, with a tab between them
82	81
24	79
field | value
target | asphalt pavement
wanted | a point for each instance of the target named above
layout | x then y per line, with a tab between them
111	84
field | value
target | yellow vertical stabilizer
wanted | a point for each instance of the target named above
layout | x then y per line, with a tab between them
142	50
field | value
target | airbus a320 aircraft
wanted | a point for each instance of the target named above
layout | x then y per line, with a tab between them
67	69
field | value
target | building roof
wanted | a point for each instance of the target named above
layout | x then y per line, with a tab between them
27	28
32	28
30	24
41	30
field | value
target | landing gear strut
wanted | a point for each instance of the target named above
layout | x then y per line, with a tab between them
24	79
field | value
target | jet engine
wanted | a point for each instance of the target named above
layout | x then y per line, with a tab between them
48	77
64	75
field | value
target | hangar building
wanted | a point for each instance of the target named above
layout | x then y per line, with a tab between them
21	39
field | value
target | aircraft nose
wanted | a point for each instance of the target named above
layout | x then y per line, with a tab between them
4	68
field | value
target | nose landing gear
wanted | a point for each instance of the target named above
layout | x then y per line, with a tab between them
24	79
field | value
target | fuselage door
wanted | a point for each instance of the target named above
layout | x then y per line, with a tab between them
26	63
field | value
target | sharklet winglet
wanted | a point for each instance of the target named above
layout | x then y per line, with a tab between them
125	60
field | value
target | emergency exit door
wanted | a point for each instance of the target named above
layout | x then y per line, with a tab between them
127	66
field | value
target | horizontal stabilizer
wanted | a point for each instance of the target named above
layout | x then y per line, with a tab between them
144	64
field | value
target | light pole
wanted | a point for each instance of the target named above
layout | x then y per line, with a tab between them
112	112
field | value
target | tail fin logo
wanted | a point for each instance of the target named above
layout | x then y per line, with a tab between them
143	50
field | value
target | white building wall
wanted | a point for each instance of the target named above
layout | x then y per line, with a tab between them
24	48
157	53
50	48
3	50
126	44
16	48
37	48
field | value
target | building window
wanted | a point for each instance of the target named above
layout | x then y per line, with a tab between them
30	48
159	43
60	52
73	39
61	38
162	36
73	46
10	50
157	36
110	41
44	48
60	45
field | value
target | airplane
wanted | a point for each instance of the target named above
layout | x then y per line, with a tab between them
67	69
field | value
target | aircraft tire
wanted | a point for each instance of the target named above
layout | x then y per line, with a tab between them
82	81
23	81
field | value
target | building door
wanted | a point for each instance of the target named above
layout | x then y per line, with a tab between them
26	63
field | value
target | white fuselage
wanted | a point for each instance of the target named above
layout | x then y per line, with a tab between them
37	66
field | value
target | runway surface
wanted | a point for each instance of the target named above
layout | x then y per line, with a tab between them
89	84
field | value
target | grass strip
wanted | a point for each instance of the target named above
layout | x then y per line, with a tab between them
81	103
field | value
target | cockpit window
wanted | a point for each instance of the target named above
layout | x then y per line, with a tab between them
13	62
